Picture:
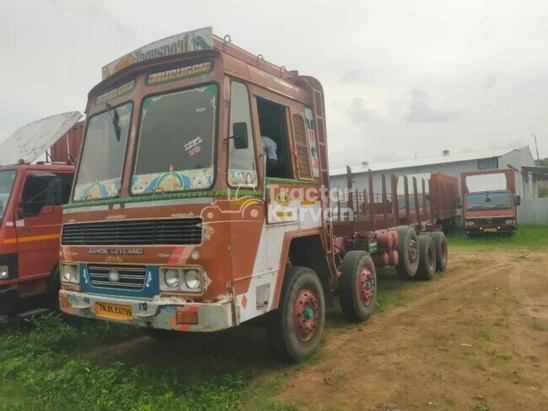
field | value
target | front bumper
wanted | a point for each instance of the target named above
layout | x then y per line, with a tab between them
490	229
166	314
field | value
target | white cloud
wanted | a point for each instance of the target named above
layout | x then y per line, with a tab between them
478	59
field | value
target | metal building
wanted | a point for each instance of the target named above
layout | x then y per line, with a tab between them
518	158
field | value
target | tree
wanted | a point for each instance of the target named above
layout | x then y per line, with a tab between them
542	163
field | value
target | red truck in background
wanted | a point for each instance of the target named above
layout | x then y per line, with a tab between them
31	211
489	202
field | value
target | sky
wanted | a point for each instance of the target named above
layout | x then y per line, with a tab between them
402	79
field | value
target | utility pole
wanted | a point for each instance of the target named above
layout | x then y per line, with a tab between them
536	148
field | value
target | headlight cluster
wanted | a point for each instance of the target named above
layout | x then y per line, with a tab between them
4	274
70	273
509	221
187	279
469	222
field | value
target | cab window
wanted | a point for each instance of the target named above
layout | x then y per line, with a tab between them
242	169
38	192
275	138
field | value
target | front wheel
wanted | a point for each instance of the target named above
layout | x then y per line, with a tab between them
358	286
297	324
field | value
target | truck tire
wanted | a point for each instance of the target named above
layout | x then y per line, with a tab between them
53	287
296	326
408	251
440	245
427	258
358	286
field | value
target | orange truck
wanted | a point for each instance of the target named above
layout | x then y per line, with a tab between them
184	218
31	200
489	202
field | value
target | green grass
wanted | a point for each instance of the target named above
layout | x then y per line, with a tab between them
44	369
539	325
532	237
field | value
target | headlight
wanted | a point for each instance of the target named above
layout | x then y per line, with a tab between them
66	275
509	221
180	279
192	279
171	278
70	273
4	272
470	222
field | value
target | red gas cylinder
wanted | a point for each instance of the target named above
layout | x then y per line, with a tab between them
380	259
385	239
394	258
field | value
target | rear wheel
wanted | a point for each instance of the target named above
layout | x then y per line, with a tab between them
358	286
440	245
408	252
427	258
297	325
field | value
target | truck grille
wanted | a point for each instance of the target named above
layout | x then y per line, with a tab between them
173	231
130	277
489	221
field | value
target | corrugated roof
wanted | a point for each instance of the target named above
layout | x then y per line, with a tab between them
419	162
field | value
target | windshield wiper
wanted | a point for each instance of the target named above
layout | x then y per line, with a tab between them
115	120
503	205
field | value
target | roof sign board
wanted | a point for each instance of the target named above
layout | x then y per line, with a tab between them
29	142
200	39
486	182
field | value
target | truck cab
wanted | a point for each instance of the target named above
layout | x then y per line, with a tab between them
31	199
489	204
32	194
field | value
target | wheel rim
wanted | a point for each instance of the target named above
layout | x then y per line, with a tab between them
367	286
413	251
444	253
307	315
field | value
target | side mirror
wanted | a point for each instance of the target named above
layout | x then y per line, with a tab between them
240	136
518	200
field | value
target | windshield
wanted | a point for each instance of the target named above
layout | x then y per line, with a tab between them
488	201
175	150
7	178
100	169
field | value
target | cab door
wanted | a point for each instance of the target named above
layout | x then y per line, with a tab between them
38	224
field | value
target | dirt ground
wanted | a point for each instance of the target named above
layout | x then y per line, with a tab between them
475	339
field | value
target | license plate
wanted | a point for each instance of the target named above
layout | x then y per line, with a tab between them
490	230
114	311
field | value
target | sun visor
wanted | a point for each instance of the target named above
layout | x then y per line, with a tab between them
32	140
